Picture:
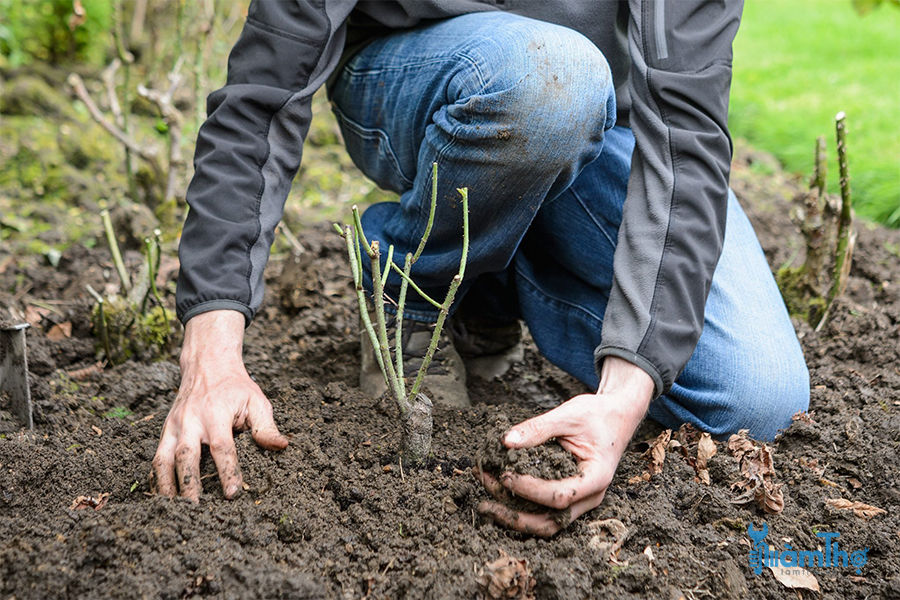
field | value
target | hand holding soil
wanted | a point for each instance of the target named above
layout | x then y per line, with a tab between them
595	428
216	398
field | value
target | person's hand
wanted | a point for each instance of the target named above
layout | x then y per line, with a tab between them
595	428
216	398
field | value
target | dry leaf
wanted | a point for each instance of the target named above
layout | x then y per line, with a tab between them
637	479
657	452
706	449
861	510
796	578
97	430
35	314
608	535
854	483
758	469
687	434
60	331
803	417
82	502
506	577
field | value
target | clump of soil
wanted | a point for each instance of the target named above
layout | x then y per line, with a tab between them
547	461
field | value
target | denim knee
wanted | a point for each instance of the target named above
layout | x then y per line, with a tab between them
544	92
769	396
760	395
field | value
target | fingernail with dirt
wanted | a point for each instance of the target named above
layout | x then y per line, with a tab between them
512	436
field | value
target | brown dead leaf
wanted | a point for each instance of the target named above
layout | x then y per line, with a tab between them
686	435
638	479
739	445
706	449
506	577
861	510
607	536
796	578
656	453
97	430
82	502
758	471
803	417
854	483
35	314
60	331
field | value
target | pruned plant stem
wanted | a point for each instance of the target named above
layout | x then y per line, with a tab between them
814	226
418	424
101	318
431	210
405	276
394	381
844	252
415	407
353	253
114	250
448	300
401	303
390	261
153	259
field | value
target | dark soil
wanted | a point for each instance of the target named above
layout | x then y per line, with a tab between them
547	461
334	515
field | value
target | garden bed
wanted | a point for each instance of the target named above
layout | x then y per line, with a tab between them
335	516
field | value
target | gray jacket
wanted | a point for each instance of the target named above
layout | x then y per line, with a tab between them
671	62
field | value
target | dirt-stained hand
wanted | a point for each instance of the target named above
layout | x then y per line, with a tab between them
595	428
216	398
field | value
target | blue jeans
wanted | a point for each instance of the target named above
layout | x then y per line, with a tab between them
522	112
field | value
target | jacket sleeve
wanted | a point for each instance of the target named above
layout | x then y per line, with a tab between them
249	148
673	222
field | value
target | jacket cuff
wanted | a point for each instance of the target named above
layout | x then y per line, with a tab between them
210	305
602	352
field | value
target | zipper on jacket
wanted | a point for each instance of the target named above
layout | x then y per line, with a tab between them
662	49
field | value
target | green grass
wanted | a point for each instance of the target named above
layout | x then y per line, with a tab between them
799	62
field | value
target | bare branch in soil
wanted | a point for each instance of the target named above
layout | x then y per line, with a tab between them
845	240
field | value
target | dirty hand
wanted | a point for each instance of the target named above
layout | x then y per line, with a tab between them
593	427
216	397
